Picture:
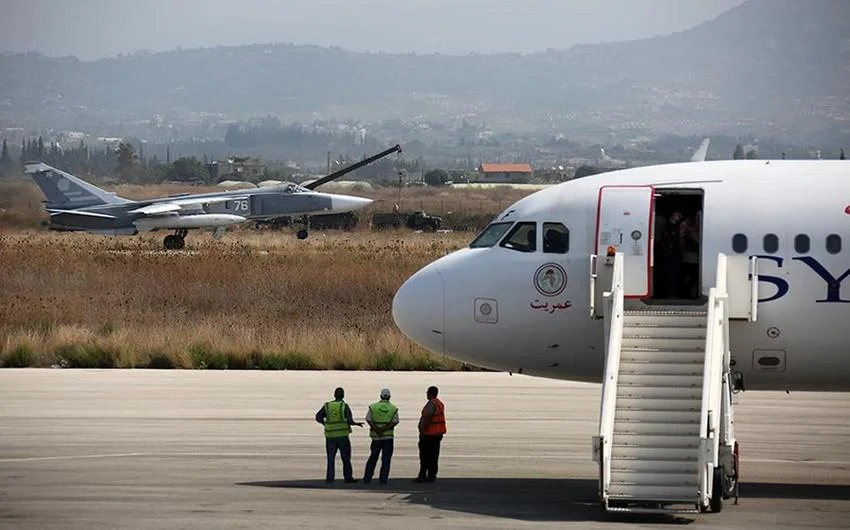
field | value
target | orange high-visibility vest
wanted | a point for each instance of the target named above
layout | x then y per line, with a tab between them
437	423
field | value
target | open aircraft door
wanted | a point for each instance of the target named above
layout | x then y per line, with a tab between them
624	222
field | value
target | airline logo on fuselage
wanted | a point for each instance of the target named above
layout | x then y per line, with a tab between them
832	294
550	279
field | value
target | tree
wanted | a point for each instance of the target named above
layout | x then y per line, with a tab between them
436	177
6	163
739	153
187	170
752	154
127	159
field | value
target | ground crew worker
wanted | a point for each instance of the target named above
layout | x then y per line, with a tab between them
336	417
432	427
382	417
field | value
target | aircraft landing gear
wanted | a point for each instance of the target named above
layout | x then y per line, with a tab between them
301	234
175	241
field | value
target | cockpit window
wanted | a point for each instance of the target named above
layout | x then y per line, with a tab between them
556	238
522	237
490	236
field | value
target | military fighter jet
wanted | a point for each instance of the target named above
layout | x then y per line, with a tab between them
74	204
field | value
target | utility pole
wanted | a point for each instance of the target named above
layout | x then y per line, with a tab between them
400	178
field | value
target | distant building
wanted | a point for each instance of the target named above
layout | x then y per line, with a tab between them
509	173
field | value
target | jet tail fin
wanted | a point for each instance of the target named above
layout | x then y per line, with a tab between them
67	192
701	152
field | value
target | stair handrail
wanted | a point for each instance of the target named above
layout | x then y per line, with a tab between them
716	354
614	300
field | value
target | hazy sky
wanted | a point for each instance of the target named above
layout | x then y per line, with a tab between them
92	29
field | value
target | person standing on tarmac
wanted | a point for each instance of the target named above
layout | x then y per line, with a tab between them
382	417
432	427
336	417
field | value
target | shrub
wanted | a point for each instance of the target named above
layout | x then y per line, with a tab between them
287	361
86	356
389	361
21	357
204	358
160	360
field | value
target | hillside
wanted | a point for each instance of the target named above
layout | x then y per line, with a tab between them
777	67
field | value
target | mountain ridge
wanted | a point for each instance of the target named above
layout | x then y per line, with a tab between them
771	67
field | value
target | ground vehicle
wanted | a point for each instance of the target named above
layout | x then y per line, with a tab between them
418	220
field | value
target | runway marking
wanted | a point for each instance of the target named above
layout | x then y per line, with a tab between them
319	454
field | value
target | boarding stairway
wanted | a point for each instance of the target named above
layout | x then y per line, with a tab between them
666	439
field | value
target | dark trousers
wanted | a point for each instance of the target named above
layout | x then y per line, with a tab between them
385	449
343	444
429	455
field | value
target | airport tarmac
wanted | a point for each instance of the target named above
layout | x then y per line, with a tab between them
95	449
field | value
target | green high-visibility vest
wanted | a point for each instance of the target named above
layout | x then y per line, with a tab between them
382	414
336	426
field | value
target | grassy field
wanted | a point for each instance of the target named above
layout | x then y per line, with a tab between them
250	300
254	299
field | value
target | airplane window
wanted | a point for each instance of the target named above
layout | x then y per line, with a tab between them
770	243
556	238
833	243
522	237
739	243
802	245
490	235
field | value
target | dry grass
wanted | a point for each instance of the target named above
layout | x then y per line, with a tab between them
251	300
20	205
255	299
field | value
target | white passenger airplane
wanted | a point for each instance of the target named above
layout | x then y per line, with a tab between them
488	305
726	275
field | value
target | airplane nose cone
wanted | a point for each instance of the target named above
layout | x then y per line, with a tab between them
418	308
345	203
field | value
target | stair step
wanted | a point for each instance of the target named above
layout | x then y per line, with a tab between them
673	380
636	427
637	390
658	404
653	318
672	441
661	343
656	415
662	356
652	453
625	465
644	368
666	312
655	478
640	492
672	332
657	507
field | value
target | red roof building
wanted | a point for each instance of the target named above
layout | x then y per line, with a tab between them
516	173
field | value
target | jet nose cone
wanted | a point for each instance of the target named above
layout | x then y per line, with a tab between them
346	203
418	308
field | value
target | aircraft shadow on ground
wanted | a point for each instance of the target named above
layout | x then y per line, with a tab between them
525	499
771	490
